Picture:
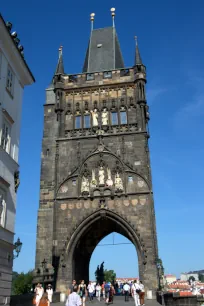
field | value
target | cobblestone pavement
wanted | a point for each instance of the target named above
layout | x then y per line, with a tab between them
118	301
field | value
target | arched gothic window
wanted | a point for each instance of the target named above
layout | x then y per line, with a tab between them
123	117
78	122
87	121
114	118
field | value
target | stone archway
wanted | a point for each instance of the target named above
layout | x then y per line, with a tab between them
85	238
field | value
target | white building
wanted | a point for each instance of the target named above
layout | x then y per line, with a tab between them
14	75
170	278
186	276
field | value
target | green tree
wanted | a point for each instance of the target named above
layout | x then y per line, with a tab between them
201	277
191	278
109	276
22	283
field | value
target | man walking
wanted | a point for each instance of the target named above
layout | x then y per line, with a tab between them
73	299
135	293
91	290
126	289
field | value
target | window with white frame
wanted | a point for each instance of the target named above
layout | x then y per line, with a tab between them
10	80
5	136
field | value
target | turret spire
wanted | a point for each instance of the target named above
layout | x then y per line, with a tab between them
60	65
138	59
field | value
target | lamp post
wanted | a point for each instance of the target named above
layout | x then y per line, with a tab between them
17	248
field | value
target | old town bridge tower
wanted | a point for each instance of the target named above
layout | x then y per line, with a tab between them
95	165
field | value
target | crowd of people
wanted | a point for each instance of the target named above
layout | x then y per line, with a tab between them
77	294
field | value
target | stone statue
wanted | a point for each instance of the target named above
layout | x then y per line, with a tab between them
2	212
104	117
101	176
109	181
93	179
95	117
118	182
85	185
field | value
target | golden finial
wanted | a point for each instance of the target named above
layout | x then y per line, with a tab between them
92	15
113	15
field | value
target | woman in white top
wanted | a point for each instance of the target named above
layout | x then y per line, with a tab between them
39	293
98	292
49	292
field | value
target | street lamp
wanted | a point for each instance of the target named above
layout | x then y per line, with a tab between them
17	247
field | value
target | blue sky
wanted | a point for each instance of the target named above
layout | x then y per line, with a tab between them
170	35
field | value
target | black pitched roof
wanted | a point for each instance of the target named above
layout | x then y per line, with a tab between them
138	59
103	52
60	65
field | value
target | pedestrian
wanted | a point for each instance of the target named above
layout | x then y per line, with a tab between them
44	300
39	290
107	292
82	292
49	292
73	298
126	289
98	292
142	293
112	293
103	290
74	284
91	290
135	293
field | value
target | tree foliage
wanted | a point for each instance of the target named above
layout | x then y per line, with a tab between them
109	276
201	277
191	278
22	283
100	273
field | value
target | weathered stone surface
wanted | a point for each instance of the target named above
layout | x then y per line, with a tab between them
79	205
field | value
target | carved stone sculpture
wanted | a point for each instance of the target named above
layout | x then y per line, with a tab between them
93	179
101	176
95	117
104	117
109	181
85	185
118	182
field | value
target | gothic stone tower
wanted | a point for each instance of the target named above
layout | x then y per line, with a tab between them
95	171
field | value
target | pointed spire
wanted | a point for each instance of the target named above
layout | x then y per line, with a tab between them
60	65
138	59
92	15
113	15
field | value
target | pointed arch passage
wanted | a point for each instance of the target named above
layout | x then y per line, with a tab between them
85	237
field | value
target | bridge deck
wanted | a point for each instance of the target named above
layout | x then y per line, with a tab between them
118	301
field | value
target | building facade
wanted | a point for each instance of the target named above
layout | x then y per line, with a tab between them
170	278
95	168
14	75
